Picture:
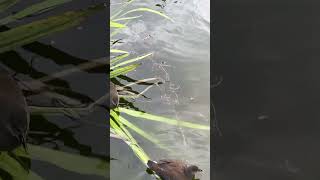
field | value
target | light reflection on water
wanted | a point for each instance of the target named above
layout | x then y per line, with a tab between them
182	57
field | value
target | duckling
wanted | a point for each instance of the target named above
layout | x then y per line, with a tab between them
14	115
173	169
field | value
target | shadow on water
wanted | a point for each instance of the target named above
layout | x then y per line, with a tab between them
84	136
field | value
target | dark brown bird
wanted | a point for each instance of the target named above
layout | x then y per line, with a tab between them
14	116
114	97
173	169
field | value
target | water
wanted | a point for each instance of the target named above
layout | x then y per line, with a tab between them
68	48
267	104
182	58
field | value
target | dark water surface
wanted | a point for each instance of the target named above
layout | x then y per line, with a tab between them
268	104
181	58
86	41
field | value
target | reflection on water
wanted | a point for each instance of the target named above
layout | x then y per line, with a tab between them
181	58
53	54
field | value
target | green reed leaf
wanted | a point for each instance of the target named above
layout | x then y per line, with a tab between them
123	70
33	9
71	162
130	61
148	10
38	29
170	121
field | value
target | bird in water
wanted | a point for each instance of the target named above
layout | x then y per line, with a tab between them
14	121
173	169
114	97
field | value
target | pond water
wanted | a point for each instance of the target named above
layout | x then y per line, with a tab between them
53	54
181	58
268	103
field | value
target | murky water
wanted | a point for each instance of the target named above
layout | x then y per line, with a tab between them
182	58
55	53
268	102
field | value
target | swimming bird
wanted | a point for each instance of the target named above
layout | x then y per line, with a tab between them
114	97
173	169
14	115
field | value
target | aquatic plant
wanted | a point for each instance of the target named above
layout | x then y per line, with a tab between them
120	64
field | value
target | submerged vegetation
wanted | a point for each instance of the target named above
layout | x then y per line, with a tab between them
16	165
122	63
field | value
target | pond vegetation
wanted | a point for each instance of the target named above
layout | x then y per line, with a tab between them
121	63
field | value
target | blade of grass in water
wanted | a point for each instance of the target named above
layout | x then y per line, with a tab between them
118	51
118	58
121	130
127	18
33	9
147	10
123	70
71	162
130	61
5	4
116	25
33	31
121	8
141	132
163	119
14	168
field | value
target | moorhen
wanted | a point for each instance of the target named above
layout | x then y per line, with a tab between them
173	169
114	97
14	116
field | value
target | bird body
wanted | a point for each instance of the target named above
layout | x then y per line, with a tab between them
14	116
114	97
173	169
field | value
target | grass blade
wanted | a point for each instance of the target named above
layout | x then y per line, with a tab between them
14	168
170	121
121	130
141	132
118	58
34	9
71	162
127	18
116	25
148	10
130	61
118	51
123	70
33	31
